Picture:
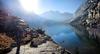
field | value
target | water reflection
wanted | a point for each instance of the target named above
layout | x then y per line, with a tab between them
67	37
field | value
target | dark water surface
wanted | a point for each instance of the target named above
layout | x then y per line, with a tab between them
74	39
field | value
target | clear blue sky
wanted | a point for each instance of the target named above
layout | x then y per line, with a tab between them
60	5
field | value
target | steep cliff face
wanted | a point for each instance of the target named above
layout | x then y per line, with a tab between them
88	15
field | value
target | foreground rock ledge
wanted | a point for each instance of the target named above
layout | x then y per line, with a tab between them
46	48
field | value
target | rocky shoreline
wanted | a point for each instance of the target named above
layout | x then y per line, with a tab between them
88	16
41	44
46	48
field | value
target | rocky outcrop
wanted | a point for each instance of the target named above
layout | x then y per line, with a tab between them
39	40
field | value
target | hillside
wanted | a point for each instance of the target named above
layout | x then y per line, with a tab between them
14	32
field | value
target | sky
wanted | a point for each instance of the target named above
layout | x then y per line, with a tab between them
59	5
69	6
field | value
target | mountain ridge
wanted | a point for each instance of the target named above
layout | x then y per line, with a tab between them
57	16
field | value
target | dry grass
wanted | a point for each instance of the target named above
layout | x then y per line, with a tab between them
5	41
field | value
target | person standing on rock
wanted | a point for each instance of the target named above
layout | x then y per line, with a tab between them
19	33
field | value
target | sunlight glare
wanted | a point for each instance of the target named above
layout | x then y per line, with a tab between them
30	5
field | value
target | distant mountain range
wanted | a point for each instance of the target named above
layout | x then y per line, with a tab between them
57	16
47	18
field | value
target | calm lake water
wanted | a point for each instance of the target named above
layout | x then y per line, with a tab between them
75	40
